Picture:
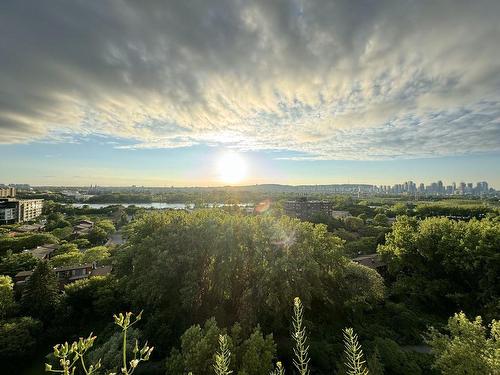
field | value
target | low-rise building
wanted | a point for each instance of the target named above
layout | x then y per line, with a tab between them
371	261
305	209
30	228
69	274
43	252
341	214
83	227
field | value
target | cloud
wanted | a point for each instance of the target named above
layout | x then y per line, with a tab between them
326	79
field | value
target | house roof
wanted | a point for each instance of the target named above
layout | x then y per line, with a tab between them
29	227
23	273
370	260
85	222
42	251
77	267
101	271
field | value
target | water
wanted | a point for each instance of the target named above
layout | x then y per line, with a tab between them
156	205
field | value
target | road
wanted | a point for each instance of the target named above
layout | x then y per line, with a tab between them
115	239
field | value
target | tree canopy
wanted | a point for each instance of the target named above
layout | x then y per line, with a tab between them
444	263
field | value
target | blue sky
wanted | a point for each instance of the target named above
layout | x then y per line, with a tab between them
93	160
322	91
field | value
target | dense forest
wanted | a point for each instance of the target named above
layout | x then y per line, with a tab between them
198	276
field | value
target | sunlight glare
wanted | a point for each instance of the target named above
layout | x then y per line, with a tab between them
231	168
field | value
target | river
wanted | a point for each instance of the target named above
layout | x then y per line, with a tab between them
156	205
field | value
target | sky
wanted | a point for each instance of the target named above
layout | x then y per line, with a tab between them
160	93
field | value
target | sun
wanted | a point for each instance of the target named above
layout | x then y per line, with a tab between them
231	168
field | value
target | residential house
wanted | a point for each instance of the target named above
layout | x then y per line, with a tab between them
83	227
372	261
44	251
69	274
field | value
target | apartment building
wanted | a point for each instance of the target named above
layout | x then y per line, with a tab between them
8	211
30	209
15	211
7	192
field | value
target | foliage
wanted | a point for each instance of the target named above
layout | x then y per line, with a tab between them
29	241
63	233
278	370
73	357
11	263
470	210
65	248
189	266
374	363
7	302
353	223
18	338
222	357
90	300
81	243
301	349
40	294
354	354
395	360
67	259
251	356
107	226
110	352
97	236
446	263
381	219
96	254
468	348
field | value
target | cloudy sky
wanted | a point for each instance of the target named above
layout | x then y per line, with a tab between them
306	91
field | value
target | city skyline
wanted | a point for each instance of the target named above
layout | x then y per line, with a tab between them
234	93
434	187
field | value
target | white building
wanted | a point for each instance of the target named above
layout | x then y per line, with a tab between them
30	209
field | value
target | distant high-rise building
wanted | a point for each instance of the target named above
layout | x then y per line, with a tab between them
7	192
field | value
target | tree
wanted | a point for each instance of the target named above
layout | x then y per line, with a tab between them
445	263
353	224
396	361
374	363
30	241
67	259
468	348
96	254
11	264
18	339
400	209
107	226
97	236
89	300
237	268
82	243
198	346
256	353
381	220
363	217
250	356
41	295
63	233
65	248
7	302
